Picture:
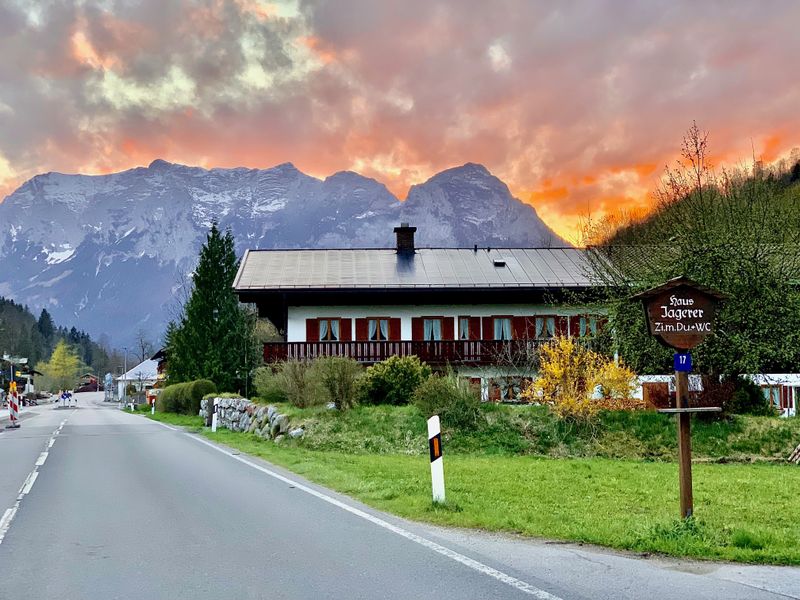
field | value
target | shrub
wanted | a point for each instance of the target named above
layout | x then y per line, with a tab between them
454	400
339	377
577	382
298	382
184	397
393	381
269	387
748	399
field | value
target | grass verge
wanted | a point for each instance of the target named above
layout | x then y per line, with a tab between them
743	511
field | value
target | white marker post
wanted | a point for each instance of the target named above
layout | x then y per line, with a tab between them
153	407
214	416
437	464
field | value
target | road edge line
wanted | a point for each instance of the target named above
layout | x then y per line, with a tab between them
431	545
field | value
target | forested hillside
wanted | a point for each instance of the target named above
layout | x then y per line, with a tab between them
22	334
736	231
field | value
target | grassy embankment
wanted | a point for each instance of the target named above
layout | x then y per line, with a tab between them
617	489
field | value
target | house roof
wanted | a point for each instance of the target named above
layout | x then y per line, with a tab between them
145	370
428	268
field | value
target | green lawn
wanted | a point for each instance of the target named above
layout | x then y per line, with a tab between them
744	512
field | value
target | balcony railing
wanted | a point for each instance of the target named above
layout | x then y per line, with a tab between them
455	352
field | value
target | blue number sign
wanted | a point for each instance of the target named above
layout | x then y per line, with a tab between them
683	362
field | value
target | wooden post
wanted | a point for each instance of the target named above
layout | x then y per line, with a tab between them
684	443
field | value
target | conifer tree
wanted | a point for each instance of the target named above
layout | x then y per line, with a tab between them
214	339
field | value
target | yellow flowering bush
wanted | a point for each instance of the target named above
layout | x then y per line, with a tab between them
577	382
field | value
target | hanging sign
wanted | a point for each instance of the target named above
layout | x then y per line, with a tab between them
680	313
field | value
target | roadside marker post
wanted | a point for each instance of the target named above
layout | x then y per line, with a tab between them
680	314
214	416
437	464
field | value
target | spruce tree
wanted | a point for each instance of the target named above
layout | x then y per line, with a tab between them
215	337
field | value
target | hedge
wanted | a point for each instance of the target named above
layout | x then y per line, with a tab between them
184	397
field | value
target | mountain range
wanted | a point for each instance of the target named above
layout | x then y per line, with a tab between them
112	254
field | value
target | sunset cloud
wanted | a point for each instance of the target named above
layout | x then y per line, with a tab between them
577	106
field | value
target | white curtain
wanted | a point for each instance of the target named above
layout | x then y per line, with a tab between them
335	329
384	323
463	329
437	329
373	329
502	329
428	331
593	325
323	329
583	327
539	327
506	329
551	327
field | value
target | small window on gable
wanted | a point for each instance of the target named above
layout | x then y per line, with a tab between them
329	330
377	330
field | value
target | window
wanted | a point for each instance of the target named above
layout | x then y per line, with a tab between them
502	328
377	330
463	328
329	330
432	330
773	395
587	326
545	328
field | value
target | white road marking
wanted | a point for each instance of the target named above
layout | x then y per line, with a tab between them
30	482
8	516
431	545
170	427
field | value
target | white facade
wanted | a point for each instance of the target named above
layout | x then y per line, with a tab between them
297	315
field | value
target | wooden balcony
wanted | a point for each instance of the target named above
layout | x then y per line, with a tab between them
453	352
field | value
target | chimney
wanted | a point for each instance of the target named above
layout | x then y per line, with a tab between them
405	239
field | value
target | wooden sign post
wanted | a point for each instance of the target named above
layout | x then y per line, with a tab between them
681	314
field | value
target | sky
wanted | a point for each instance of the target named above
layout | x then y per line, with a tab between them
577	106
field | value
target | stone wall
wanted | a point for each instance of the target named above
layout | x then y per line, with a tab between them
238	414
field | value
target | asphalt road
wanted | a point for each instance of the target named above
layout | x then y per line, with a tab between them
121	507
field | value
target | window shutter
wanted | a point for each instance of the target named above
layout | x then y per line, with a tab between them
417	328
361	329
394	329
474	328
488	328
312	330
575	326
518	329
562	324
448	329
345	330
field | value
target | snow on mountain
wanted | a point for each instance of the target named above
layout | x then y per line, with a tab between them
109	253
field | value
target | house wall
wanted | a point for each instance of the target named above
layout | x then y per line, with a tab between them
297	315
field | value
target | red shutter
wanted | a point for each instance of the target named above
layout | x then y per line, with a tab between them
345	330
518	328
417	328
474	328
448	331
312	330
488	328
394	329
575	326
562	323
361	329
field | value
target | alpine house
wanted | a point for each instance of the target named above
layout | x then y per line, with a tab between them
479	311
